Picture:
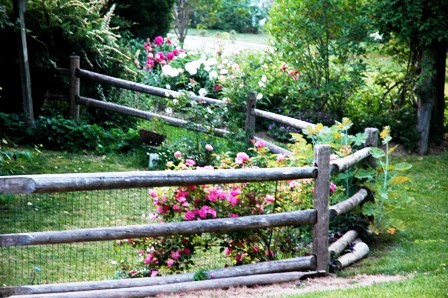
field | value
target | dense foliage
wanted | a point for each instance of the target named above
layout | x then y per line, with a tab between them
56	30
145	18
246	16
322	41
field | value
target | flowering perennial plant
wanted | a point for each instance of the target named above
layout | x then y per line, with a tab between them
203	202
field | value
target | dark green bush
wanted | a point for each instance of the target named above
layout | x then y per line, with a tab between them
58	133
147	18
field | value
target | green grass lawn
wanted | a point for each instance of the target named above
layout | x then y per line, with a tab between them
420	250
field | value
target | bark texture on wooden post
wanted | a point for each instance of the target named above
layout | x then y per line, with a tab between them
74	87
250	116
371	141
321	197
25	78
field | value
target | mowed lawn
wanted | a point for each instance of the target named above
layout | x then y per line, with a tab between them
420	251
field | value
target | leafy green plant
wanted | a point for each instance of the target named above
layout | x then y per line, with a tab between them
321	41
386	185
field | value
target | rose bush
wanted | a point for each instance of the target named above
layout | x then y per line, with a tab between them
203	202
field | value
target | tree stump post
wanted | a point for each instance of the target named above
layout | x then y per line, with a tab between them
321	200
74	87
250	116
371	141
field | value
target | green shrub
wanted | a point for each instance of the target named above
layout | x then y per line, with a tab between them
58	133
321	41
148	18
243	16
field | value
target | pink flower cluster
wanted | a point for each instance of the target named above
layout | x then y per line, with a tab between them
155	54
294	73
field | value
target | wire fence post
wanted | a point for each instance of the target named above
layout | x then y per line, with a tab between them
321	199
74	87
250	116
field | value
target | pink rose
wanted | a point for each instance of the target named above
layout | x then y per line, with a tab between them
150	63
170	56
241	157
281	157
260	144
190	215
190	162
269	199
177	154
170	262
332	187
208	147
158	40
175	254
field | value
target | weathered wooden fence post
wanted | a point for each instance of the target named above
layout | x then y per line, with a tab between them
74	87
321	199
371	141
250	116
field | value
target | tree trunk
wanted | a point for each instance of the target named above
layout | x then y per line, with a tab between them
438	119
426	94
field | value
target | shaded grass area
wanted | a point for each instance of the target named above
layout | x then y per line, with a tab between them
420	250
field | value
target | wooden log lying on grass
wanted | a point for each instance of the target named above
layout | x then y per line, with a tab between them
294	264
359	251
339	245
144	291
164	229
349	204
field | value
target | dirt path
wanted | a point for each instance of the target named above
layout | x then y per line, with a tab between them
328	283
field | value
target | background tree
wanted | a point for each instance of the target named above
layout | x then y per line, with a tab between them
423	26
321	41
55	30
182	15
148	18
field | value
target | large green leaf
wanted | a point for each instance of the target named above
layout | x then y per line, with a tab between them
377	153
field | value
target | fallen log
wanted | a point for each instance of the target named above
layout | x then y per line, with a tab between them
360	250
338	246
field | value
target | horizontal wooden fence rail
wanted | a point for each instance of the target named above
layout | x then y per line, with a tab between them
108	106
100	78
164	229
288	265
46	183
342	164
349	204
299	124
146	291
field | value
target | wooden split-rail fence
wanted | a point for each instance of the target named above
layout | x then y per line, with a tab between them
262	273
